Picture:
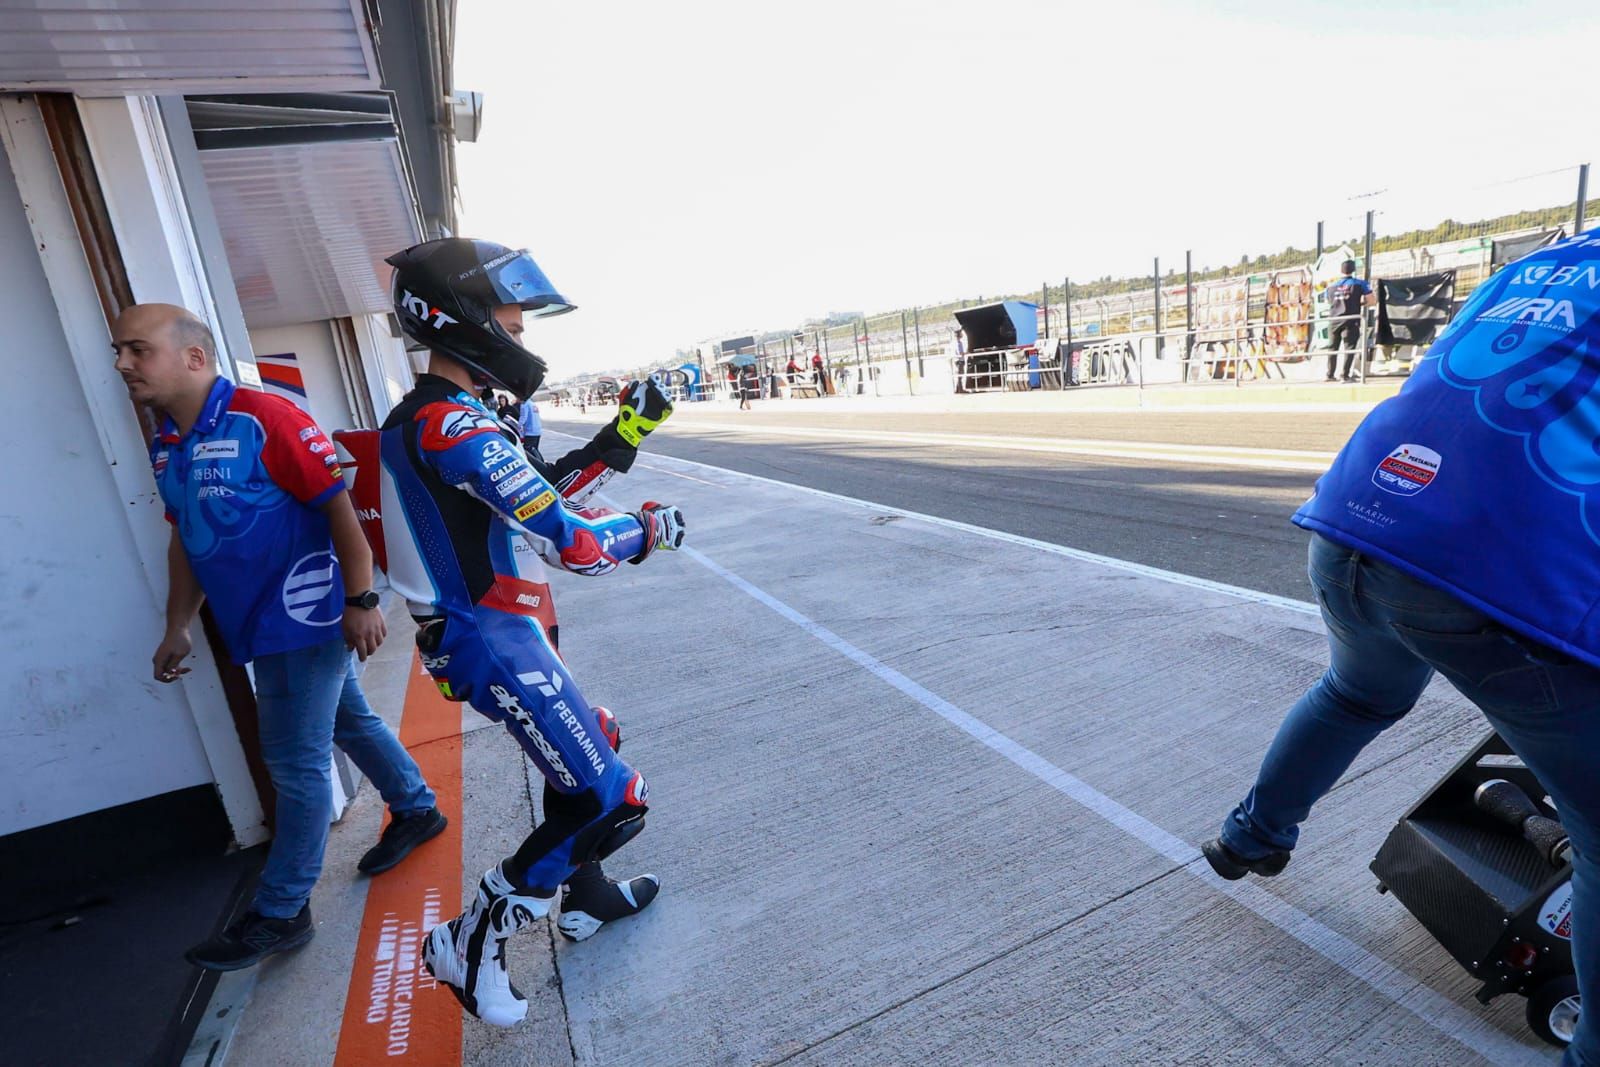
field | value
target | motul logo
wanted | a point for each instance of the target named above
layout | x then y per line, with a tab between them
419	307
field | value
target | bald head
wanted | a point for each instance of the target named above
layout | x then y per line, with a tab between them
165	354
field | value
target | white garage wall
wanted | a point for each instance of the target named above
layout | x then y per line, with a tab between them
84	727
312	344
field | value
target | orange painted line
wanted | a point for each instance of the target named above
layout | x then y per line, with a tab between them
394	1011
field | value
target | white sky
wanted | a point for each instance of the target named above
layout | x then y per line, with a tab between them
698	169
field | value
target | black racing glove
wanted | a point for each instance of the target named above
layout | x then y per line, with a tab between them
642	407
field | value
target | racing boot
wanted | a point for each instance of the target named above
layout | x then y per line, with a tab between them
589	900
468	953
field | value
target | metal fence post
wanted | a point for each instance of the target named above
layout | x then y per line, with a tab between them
905	350
1044	302
1066	355
916	324
1238	353
1156	320
866	342
1366	269
1319	238
1583	198
1188	311
1366	273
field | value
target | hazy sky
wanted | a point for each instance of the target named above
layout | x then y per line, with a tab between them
698	169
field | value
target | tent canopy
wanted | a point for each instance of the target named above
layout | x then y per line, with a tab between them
1007	324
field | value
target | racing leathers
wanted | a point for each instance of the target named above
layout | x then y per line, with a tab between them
468	523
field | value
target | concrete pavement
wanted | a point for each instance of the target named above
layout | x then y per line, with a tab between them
924	794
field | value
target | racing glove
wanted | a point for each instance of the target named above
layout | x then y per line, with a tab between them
663	528
642	407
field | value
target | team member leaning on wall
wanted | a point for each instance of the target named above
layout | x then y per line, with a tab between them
263	528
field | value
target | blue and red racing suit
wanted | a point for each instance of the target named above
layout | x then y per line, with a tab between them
467	523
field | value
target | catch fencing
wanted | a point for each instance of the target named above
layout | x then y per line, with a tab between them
1259	320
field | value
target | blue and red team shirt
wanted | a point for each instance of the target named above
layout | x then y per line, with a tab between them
244	488
1482	476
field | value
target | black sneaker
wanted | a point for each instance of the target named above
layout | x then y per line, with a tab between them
400	837
589	900
1232	866
251	939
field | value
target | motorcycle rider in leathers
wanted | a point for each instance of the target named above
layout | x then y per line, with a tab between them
469	519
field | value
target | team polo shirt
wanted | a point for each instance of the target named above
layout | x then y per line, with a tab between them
243	489
1482	476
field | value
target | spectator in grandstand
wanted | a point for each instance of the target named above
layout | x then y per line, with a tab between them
1444	540
1345	300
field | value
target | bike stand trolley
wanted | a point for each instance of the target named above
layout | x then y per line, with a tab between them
1482	862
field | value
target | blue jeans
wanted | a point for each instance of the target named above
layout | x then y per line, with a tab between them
1388	633
307	700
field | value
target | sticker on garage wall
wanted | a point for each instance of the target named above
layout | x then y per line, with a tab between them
1556	915
280	376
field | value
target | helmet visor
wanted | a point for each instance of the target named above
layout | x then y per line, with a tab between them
519	281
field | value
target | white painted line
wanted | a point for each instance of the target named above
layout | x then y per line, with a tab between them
1206	455
1445	1016
1126	566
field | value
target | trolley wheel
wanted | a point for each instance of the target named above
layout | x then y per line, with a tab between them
1382	889
1553	1010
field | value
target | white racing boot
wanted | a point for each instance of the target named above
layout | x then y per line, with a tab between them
468	953
589	900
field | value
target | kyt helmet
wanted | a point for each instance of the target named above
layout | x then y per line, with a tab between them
445	293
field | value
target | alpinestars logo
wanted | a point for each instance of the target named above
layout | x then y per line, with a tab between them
419	307
513	707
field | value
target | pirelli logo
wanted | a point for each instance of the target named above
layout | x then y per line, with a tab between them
536	505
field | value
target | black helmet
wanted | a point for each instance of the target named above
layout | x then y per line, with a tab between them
445	293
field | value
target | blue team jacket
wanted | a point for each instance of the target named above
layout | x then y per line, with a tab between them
1482	476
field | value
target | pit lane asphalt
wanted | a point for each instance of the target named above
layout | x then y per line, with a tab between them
1211	520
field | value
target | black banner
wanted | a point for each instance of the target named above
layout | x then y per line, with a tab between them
1411	311
1514	248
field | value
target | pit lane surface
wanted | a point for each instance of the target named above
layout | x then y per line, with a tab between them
921	794
1206	494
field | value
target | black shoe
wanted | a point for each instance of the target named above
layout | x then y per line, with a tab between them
400	837
1232	866
252	939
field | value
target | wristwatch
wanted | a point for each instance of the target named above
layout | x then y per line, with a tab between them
368	600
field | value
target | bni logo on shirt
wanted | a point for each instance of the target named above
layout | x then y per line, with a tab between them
307	588
1407	471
